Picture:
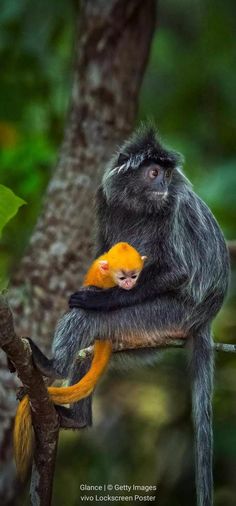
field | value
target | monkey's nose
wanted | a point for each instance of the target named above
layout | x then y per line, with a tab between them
128	283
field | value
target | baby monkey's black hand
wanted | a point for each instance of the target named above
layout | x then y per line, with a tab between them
86	298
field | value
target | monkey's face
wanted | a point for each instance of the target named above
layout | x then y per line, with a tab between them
145	174
156	181
125	279
144	188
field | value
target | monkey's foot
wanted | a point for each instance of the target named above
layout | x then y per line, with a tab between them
44	365
20	393
10	365
68	420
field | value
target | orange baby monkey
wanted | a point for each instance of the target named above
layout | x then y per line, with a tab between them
121	266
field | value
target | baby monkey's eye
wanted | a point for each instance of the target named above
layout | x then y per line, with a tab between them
134	276
122	278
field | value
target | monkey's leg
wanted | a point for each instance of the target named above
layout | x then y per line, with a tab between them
201	369
74	393
82	410
80	414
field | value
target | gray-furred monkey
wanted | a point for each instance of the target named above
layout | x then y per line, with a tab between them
146	200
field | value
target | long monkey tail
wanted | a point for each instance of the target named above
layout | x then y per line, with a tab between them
74	393
23	429
23	437
201	367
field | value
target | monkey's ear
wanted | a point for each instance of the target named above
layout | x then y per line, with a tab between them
122	158
103	266
144	258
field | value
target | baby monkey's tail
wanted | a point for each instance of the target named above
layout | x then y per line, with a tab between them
23	437
23	430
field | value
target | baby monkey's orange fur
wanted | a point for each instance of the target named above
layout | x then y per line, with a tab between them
121	266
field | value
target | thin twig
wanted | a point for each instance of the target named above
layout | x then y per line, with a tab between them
44	416
229	348
172	343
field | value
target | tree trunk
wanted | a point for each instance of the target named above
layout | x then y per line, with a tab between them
112	49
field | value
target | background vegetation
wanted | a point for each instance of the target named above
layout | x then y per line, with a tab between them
142	428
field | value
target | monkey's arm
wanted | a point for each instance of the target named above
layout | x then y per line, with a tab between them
115	298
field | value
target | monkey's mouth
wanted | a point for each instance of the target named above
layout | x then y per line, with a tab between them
159	194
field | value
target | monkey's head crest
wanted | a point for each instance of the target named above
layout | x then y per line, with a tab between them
141	176
145	144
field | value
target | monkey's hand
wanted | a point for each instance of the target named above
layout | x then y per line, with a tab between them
87	297
114	298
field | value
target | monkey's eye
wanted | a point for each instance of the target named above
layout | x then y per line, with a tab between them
153	173
122	278
168	173
134	276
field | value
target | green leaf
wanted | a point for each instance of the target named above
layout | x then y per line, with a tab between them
9	205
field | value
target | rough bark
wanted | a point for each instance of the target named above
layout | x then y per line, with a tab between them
112	48
44	416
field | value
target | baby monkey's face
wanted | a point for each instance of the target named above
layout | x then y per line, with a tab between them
126	279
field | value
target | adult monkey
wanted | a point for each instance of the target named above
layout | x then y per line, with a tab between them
146	200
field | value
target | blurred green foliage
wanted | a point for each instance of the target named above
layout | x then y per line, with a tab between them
36	65
189	89
9	205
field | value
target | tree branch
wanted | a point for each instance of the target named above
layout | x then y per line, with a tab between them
44	416
171	343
